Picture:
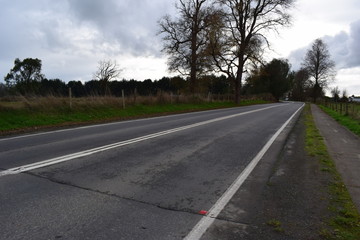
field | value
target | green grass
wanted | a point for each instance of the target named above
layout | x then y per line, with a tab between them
351	123
345	223
58	113
276	225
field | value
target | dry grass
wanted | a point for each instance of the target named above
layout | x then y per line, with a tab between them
51	103
19	113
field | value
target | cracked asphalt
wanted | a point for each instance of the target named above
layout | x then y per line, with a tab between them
152	189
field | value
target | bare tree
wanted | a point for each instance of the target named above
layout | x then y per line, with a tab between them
184	38
107	70
335	92
301	85
239	34
320	67
344	97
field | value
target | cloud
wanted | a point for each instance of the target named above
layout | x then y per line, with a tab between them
71	36
354	44
348	79
132	24
344	49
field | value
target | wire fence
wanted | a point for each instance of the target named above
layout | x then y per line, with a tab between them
351	109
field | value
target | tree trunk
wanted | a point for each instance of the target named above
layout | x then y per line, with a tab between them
316	91
193	76
238	79
193	63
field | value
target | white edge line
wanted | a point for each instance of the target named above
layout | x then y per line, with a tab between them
206	221
41	164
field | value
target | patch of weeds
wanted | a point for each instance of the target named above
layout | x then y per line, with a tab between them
269	184
345	221
276	225
325	169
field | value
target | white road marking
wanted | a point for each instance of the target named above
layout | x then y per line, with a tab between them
335	130
206	221
69	157
344	140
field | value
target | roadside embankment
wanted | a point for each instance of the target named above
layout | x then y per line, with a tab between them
43	113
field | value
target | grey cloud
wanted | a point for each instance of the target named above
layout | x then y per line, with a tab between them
131	23
344	49
31	27
78	30
355	44
338	47
296	57
97	11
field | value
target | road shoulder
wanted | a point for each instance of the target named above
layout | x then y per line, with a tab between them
286	197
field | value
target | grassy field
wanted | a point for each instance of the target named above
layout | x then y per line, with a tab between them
348	116
345	223
27	114
351	109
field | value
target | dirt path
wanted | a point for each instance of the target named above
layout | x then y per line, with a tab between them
344	148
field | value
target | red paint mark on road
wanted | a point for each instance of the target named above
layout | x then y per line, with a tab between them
203	212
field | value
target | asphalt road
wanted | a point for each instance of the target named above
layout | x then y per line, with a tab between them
142	179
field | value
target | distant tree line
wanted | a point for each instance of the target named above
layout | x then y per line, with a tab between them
148	87
25	78
275	78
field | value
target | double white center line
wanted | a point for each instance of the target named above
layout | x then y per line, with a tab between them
72	156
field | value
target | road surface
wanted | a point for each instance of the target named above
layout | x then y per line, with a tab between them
152	178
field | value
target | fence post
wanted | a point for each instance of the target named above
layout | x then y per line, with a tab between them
353	109
70	98
123	98
135	93
341	108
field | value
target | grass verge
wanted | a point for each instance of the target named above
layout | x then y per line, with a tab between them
345	223
53	115
352	124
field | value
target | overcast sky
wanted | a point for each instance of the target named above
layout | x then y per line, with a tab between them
72	36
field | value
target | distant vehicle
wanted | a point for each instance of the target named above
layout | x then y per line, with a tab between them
354	99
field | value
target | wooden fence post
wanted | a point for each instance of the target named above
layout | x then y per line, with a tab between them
341	108
70	98
123	98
